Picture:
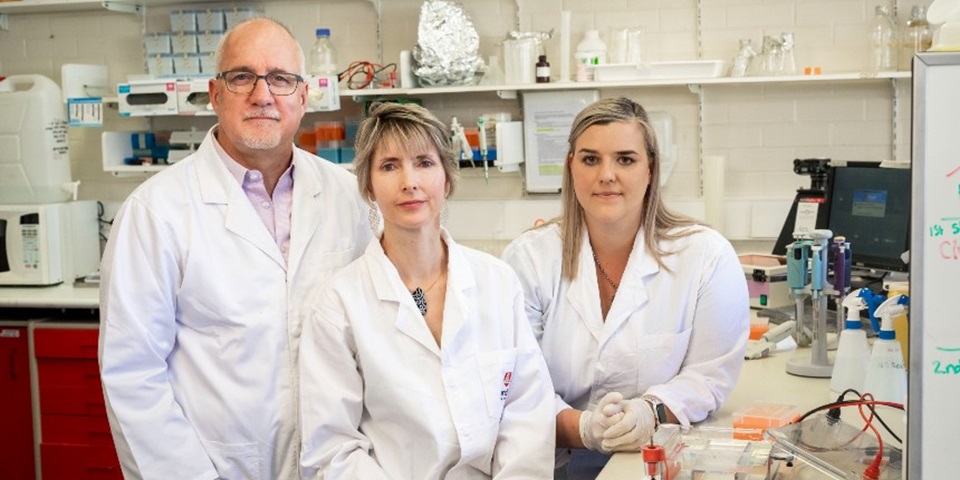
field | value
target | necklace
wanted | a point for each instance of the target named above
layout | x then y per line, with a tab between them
420	295
604	273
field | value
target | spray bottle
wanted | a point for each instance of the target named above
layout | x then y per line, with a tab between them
853	353
886	375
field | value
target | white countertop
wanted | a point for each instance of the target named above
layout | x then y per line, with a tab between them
56	296
763	380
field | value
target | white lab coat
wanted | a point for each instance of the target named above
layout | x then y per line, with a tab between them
677	334
382	401
200	317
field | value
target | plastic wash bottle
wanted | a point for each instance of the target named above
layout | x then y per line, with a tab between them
853	352
886	376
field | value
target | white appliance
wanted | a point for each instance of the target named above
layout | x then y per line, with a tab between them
48	244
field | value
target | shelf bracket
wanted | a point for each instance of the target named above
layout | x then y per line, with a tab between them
507	94
694	88
121	7
4	26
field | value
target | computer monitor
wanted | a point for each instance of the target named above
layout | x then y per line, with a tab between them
870	206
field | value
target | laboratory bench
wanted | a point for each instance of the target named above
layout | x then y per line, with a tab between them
763	380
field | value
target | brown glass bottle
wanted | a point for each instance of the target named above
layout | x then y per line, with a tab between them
543	70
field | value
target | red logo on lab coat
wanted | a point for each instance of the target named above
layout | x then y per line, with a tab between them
506	385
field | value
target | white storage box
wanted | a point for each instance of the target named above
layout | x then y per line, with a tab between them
766	280
193	98
183	21
184	42
210	20
147	97
188	64
235	16
156	43
208	41
160	65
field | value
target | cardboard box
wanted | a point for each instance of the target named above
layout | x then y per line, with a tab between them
766	280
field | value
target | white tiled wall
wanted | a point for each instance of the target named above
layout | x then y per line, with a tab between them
759	128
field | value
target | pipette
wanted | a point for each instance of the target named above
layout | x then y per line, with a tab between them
460	143
818	365
483	149
797	253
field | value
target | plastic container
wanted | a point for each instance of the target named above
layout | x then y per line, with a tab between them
323	56
590	51
850	365
886	376
900	325
35	155
750	422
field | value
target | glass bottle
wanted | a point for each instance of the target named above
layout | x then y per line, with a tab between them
770	56
883	41
788	64
746	55
917	36
323	57
543	70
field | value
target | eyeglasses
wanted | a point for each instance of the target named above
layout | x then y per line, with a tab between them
242	81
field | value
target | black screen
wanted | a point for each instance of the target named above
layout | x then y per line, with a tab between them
871	207
4	262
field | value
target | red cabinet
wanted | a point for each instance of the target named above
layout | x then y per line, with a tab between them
75	441
16	423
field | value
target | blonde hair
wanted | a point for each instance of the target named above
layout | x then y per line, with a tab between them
408	124
656	221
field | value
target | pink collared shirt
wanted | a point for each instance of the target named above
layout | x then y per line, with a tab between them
274	212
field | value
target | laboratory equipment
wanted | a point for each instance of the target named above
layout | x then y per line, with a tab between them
886	377
798	253
520	60
590	51
35	157
461	147
788	63
543	70
853	353
482	133
829	449
883	41
917	37
818	365
661	457
745	56
766	280
870	206
323	92
809	209
767	343
48	244
147	97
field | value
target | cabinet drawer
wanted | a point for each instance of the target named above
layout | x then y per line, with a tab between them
76	429
65	343
79	462
55	372
71	401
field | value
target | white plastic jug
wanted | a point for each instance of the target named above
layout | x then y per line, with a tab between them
34	154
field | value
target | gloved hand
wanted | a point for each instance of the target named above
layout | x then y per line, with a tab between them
594	423
633	430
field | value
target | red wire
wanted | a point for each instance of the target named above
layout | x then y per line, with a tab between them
872	472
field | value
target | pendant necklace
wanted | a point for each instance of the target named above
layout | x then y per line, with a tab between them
604	273
420	295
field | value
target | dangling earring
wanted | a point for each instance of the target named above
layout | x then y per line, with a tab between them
373	216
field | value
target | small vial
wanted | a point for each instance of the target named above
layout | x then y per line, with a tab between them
543	70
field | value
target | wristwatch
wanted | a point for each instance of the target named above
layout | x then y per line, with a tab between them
659	410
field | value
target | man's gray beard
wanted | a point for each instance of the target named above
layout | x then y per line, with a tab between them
261	142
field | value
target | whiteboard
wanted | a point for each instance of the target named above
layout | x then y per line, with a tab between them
933	422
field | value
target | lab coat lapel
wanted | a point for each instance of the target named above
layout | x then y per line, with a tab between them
460	283
632	294
218	187
584	293
389	288
306	211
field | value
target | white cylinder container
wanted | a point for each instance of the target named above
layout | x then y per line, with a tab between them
850	366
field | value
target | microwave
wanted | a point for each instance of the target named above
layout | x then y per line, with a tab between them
48	244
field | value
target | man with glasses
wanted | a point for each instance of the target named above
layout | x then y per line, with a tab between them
205	272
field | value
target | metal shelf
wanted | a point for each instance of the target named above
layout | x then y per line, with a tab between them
654	82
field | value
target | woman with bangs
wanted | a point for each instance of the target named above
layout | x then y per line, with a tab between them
417	360
642	314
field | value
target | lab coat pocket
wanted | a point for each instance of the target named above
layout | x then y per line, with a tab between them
234	461
666	351
496	374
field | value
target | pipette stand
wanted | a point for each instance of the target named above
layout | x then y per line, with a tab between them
818	365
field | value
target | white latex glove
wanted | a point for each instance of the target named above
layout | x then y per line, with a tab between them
594	423
633	430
